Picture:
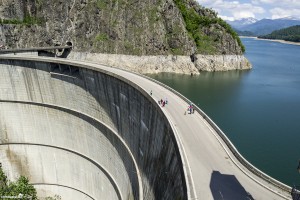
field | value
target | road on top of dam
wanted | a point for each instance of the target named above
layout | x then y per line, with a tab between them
213	170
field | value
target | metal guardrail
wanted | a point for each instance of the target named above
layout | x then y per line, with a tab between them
34	49
296	193
232	148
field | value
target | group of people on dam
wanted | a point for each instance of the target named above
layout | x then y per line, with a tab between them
163	102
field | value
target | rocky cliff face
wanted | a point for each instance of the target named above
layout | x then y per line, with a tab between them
107	26
127	27
155	27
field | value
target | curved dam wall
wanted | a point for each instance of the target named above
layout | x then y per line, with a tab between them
82	133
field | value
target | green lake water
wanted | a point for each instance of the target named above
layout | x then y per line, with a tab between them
258	109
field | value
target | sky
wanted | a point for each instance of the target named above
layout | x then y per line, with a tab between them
259	9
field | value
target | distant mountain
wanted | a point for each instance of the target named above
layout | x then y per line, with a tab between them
239	24
244	33
292	18
264	26
288	34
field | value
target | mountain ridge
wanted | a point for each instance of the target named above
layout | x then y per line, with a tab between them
239	24
264	26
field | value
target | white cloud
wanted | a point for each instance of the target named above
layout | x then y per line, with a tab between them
264	1
243	14
279	3
227	18
281	13
233	9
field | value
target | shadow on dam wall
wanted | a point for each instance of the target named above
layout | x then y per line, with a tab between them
86	121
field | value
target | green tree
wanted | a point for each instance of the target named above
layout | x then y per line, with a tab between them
20	188
3	180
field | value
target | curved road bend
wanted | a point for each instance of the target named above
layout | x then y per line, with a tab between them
214	174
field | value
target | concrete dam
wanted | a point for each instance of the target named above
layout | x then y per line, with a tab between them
86	131
85	134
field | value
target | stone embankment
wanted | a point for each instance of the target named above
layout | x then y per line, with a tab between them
222	62
170	63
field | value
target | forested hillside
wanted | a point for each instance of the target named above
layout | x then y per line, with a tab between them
288	34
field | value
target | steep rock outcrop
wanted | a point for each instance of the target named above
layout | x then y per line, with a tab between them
118	27
122	27
221	62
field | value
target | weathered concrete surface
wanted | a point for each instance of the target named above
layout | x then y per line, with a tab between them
45	141
77	128
212	171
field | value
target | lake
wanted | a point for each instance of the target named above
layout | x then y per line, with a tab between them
258	109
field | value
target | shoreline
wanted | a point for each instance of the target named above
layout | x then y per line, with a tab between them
166	63
273	40
247	36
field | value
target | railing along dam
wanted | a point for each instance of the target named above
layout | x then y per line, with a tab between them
84	133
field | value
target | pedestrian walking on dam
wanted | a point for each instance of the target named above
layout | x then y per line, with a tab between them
191	109
166	100
151	92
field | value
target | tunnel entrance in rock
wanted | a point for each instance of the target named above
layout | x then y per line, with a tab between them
69	44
